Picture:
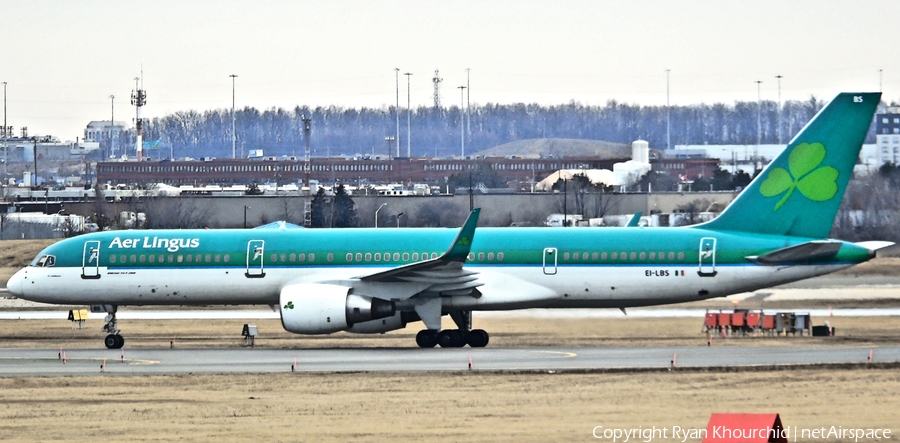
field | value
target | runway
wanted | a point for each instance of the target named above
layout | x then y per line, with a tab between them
47	362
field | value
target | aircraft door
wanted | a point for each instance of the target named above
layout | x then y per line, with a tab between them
90	260
550	261
255	259
707	257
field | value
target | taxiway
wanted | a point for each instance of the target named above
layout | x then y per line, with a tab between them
48	362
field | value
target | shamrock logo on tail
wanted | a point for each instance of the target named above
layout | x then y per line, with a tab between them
289	305
816	183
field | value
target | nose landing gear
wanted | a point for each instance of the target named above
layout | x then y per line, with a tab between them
113	340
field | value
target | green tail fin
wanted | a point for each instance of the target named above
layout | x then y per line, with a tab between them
799	193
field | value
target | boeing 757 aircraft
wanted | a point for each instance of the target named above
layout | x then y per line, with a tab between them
378	280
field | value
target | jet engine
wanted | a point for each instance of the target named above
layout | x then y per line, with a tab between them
379	326
309	308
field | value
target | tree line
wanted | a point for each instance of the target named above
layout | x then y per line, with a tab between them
436	131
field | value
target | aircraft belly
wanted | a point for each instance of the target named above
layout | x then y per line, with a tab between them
151	287
626	286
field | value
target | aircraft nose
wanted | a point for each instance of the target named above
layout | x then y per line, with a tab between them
16	284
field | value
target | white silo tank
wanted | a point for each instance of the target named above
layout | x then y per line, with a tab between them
640	151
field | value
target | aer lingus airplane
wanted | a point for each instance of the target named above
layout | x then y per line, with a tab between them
378	280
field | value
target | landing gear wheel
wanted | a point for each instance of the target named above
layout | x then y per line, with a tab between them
478	338
114	341
451	338
427	338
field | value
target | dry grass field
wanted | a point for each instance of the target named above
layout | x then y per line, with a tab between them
505	332
453	406
428	407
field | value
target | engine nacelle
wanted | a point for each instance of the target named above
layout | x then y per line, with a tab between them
380	325
323	309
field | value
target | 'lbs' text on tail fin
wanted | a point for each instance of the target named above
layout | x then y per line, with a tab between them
799	193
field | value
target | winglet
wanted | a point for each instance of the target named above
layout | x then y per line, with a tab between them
635	220
459	250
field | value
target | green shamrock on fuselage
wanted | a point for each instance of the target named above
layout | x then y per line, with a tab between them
817	184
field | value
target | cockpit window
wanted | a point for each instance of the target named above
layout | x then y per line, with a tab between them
45	261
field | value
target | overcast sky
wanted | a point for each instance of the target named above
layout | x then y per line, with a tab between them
63	59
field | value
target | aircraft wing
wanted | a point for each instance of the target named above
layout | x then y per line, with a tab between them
443	275
804	252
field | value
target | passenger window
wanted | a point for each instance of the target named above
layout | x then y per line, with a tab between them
396	256
566	256
293	257
349	256
481	256
490	256
112	259
643	255
190	258
358	256
180	258
633	256
604	256
615	255
681	255
312	258
415	256
406	256
671	256
377	256
368	256
303	258
595	256
434	255
330	257
152	259
499	256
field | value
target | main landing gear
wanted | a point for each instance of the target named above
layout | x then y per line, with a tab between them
454	338
113	340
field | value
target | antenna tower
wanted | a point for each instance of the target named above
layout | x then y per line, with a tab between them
139	99
437	89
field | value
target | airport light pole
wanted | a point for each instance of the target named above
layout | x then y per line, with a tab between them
233	134
468	117
758	118
779	77
668	139
245	215
408	117
397	109
398	219
5	136
376	214
462	121
112	121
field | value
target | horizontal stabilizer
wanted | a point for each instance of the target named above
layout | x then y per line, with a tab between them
802	253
